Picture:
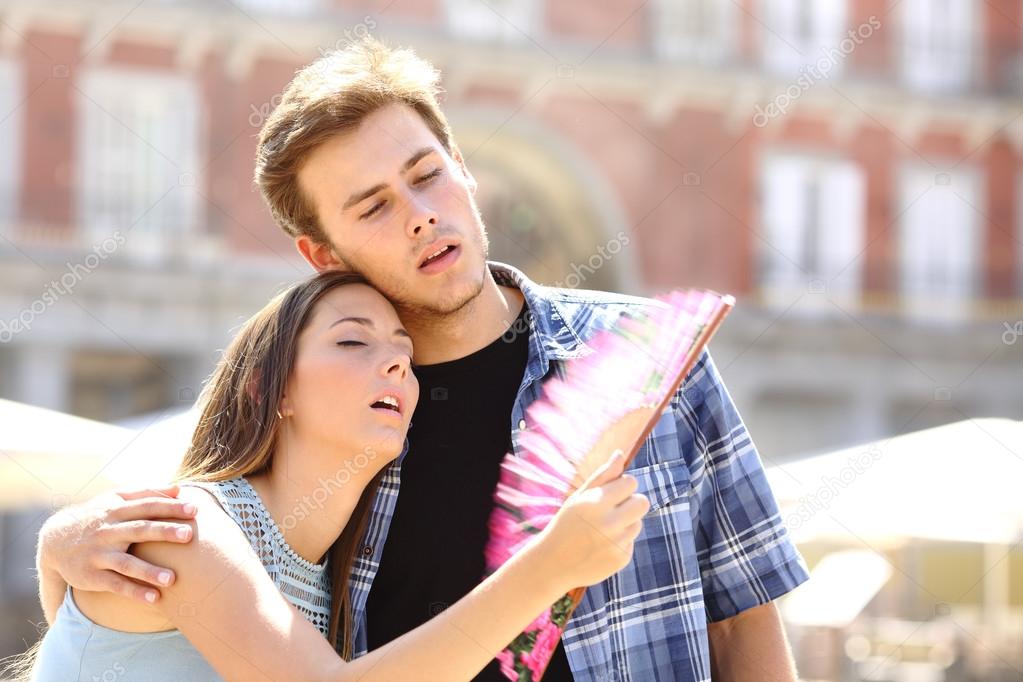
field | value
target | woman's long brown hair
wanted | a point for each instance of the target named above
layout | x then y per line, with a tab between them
238	425
237	433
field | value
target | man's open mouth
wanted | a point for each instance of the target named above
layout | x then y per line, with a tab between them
437	255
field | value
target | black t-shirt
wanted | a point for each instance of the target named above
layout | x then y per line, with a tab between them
460	433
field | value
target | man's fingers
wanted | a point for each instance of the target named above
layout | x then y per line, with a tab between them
129	566
112	582
153	508
131	532
166	491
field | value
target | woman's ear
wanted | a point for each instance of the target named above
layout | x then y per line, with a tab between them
285	409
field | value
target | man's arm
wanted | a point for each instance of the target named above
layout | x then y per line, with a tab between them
86	545
747	558
751	646
51	587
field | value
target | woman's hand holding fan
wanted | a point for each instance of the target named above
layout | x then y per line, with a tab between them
608	401
591	536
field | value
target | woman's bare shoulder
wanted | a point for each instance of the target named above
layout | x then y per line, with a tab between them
216	548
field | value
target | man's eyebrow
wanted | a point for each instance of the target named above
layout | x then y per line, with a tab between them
359	196
366	322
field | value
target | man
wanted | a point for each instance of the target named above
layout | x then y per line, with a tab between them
359	166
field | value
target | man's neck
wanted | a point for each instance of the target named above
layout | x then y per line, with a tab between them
474	326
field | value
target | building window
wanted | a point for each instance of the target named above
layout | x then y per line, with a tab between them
493	20
799	33
938	44
11	134
813	224
139	155
701	31
939	238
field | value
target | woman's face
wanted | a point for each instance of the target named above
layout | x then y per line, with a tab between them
352	388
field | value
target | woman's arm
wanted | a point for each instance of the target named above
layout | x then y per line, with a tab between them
226	605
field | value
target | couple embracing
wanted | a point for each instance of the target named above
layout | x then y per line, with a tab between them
393	367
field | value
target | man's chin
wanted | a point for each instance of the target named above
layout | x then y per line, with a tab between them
445	299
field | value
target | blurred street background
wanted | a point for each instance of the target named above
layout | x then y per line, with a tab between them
851	170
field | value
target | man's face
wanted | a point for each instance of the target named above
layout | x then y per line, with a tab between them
388	198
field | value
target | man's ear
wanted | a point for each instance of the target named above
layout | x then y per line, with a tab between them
319	254
456	155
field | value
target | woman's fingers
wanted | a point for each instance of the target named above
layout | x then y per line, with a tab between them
610	470
614	492
635	505
632	530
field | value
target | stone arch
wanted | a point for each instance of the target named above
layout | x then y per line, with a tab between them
547	210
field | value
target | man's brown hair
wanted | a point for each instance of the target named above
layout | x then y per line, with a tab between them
330	96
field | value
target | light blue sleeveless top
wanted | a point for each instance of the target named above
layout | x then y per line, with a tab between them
76	648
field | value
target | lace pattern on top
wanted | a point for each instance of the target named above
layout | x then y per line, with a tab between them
306	585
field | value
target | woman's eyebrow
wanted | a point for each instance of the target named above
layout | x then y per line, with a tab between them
365	321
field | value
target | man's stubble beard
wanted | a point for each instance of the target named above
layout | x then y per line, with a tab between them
428	313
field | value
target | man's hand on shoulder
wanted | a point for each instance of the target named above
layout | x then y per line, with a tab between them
86	545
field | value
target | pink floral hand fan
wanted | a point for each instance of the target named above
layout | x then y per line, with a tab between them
608	400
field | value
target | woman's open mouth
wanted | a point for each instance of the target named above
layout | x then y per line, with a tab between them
388	404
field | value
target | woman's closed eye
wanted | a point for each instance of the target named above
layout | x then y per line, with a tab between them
351	343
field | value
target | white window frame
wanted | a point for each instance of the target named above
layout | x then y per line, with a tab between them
12	92
140	129
835	232
938	41
940	239
801	33
501	21
702	31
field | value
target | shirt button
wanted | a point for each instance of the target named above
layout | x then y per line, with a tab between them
522	425
367	550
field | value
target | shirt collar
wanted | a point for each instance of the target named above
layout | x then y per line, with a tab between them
553	334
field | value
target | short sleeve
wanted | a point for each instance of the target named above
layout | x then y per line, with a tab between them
745	554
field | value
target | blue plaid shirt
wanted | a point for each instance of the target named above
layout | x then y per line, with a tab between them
712	546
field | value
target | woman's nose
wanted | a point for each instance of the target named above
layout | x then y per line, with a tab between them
398	365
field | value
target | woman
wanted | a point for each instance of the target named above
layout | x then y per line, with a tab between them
308	404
